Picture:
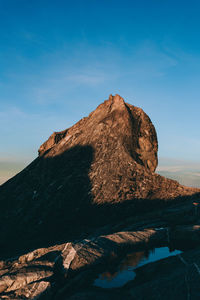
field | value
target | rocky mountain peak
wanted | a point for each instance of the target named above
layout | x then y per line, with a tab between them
112	125
116	101
90	195
101	169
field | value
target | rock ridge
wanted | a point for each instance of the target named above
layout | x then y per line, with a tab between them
98	172
134	126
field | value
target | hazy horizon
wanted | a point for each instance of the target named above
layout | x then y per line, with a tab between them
185	172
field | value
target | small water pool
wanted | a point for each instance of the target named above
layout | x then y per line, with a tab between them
124	272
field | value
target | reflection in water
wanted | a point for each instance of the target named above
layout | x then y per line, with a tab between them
119	275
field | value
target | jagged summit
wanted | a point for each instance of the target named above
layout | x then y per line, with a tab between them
112	125
90	196
99	171
116	101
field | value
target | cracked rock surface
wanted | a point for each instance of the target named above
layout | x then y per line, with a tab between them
90	194
67	271
97	172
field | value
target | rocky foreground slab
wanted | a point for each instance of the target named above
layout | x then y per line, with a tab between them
68	270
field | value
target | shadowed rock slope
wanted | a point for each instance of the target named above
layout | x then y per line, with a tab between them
98	172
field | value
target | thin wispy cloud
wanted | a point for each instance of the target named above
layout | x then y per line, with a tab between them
87	78
59	74
56	89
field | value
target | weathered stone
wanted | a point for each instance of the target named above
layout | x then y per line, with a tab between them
114	124
25	275
93	190
70	266
34	291
99	171
22	278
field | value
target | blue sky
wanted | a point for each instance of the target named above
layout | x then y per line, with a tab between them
60	59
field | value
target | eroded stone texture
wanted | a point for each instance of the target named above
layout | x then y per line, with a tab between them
68	270
31	275
98	172
114	124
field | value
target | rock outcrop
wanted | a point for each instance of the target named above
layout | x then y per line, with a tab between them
113	126
90	194
98	172
69	270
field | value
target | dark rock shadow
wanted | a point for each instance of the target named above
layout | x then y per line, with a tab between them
47	203
51	202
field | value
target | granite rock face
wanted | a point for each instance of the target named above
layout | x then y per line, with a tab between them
113	125
98	172
91	195
69	270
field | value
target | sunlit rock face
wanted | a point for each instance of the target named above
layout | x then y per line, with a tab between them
114	126
98	172
123	145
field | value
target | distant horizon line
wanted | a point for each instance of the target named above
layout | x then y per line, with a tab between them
177	169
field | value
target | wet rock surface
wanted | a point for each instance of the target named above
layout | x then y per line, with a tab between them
91	196
68	270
